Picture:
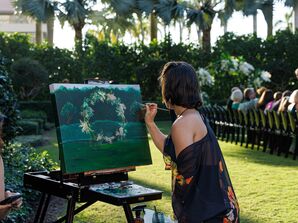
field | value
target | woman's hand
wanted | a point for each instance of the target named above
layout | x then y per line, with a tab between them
15	204
151	110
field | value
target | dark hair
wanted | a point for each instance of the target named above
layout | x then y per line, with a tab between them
266	97
180	85
247	92
286	93
2	117
277	95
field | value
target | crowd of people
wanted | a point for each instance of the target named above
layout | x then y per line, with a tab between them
264	99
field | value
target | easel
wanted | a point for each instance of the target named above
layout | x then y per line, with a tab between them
110	186
79	188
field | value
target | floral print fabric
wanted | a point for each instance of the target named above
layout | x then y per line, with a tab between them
202	190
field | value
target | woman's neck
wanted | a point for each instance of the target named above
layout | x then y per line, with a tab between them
179	110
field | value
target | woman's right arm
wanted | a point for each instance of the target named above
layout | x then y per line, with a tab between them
157	136
4	210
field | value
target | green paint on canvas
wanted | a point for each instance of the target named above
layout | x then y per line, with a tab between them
99	127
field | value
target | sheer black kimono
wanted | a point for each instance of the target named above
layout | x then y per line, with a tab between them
202	189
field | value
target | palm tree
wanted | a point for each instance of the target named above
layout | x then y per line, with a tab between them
248	8
41	11
267	10
294	4
75	12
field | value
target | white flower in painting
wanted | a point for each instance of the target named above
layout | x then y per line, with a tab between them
99	137
122	107
246	68
265	75
111	97
107	139
85	127
205	77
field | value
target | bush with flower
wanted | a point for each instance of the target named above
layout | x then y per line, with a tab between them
220	76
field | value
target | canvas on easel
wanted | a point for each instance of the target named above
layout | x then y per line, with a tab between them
99	127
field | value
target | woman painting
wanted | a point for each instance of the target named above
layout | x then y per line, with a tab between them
202	190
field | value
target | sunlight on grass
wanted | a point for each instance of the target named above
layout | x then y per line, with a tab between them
266	186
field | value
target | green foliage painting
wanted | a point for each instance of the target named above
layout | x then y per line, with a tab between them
99	127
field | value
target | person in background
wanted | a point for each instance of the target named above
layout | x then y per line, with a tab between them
250	100
293	107
265	98
202	189
277	103
236	97
260	91
284	104
296	73
230	102
277	96
5	209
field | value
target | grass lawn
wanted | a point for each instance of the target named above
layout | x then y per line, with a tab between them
266	185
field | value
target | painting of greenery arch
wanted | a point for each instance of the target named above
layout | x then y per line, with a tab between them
99	127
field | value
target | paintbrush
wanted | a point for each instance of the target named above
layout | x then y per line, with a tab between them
162	109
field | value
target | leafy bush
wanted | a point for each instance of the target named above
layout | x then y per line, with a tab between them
29	127
19	159
28	77
230	71
30	140
140	64
8	104
34	114
40	106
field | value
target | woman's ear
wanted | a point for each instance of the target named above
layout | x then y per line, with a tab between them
169	105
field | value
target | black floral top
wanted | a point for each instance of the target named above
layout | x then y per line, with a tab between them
202	188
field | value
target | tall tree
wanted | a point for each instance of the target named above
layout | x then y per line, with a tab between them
43	11
76	12
294	4
267	10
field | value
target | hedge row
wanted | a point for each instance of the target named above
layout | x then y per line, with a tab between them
140	64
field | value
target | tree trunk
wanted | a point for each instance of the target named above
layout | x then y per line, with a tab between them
142	29
225	27
255	23
50	30
295	16
38	32
180	31
207	40
267	10
153	27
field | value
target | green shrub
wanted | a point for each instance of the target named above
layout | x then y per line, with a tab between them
40	106
30	140
28	77
34	114
8	104
29	127
19	159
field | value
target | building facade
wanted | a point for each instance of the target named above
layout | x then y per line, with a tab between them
10	22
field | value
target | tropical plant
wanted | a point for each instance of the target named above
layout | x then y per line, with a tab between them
232	71
76	13
43	11
294	4
8	104
29	77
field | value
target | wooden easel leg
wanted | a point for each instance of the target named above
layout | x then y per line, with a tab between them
45	208
42	208
70	210
128	213
78	210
